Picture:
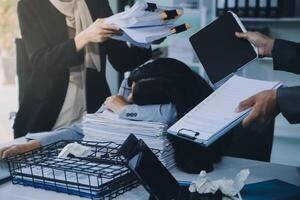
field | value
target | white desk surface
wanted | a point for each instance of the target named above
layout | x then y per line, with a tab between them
228	168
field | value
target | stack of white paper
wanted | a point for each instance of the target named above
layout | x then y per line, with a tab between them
141	27
108	127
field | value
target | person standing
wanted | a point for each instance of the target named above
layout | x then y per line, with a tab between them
68	42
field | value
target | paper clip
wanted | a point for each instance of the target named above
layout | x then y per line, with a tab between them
180	133
180	28
170	14
151	7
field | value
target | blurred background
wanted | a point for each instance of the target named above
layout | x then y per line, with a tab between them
277	18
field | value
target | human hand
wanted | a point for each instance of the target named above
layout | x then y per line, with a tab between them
262	42
115	103
264	108
13	150
97	32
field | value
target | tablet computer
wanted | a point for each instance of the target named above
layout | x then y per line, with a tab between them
219	50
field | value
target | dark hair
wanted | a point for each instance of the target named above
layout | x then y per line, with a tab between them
168	80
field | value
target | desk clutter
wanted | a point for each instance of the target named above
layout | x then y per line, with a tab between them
145	23
107	126
101	175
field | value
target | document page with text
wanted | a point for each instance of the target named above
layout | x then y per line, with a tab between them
218	110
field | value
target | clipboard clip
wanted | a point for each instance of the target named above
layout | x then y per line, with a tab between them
151	7
195	133
170	14
180	28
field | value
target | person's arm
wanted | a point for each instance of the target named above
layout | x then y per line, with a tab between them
46	58
42	139
264	106
286	56
164	113
73	132
288	101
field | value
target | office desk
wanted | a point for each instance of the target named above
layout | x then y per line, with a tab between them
228	168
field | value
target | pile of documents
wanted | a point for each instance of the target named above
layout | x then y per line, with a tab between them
108	127
145	23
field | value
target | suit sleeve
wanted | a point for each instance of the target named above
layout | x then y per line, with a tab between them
286	56
73	132
43	57
124	58
288	100
163	113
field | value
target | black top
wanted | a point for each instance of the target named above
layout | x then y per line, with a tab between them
52	53
286	57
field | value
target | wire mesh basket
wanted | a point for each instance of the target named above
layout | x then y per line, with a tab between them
102	175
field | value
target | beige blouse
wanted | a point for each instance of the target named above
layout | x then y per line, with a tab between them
74	106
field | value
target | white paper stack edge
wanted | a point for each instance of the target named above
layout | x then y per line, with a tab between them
107	127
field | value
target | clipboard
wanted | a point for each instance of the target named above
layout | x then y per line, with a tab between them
238	53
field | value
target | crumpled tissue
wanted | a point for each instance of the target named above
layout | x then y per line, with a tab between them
75	149
228	187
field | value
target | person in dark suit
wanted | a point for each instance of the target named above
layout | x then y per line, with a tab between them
268	104
67	43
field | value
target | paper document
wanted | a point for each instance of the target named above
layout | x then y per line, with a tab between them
108	127
145	23
217	112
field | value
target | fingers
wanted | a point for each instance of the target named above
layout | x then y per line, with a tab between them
3	150
251	118
101	24
242	35
9	151
248	103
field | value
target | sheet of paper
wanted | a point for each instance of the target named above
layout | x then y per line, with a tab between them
141	27
218	110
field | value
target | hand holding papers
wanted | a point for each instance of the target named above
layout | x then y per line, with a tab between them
145	23
217	114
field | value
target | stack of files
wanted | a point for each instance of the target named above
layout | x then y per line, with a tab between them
257	8
108	127
145	23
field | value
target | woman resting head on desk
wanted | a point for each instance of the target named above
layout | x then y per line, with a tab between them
163	91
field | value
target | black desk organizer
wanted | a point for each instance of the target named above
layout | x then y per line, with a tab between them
94	177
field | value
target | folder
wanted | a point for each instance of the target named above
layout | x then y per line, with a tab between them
263	8
231	5
221	7
274	8
287	8
252	8
241	10
221	54
271	190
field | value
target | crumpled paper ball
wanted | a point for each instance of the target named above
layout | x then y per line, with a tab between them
228	187
75	149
